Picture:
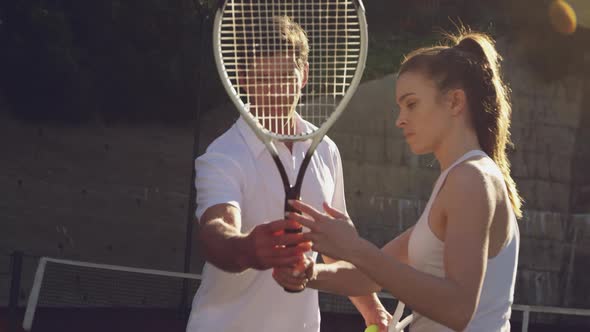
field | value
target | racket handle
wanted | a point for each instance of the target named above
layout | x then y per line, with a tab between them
292	194
293	231
294	291
301	269
290	230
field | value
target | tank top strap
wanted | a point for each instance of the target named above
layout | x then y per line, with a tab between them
443	175
464	157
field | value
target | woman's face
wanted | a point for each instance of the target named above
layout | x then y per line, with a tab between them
423	116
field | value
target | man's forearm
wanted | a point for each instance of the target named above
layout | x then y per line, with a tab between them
224	246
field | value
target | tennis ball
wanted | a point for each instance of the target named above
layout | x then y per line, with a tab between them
562	17
372	328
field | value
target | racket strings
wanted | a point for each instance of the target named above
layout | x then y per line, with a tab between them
264	68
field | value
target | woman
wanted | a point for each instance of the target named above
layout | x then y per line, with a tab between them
456	266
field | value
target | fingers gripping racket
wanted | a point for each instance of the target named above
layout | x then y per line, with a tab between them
283	59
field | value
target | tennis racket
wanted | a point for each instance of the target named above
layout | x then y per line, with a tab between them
397	324
272	77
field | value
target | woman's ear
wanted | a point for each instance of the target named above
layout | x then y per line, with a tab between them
457	101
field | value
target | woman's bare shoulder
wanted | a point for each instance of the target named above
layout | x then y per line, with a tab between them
476	179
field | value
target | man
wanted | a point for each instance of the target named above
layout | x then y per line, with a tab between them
240	200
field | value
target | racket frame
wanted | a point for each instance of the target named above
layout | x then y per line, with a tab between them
266	136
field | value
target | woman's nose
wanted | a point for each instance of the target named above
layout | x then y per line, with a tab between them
400	122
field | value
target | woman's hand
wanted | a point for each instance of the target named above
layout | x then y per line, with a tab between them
332	233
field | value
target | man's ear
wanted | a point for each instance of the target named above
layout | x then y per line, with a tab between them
242	78
305	73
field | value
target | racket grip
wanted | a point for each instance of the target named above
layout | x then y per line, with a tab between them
294	291
301	269
293	231
292	194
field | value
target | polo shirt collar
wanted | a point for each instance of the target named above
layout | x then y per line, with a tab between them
256	146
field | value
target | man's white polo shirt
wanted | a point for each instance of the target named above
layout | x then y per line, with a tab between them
237	169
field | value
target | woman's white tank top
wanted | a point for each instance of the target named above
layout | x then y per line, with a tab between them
426	253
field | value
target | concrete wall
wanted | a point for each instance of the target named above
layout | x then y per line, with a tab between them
114	195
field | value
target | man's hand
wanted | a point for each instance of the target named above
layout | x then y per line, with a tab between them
225	246
268	246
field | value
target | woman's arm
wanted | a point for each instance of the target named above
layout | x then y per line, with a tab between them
468	205
343	278
398	247
468	201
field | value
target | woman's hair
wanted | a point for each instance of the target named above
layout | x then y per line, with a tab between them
472	64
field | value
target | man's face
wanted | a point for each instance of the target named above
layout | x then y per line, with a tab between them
273	84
